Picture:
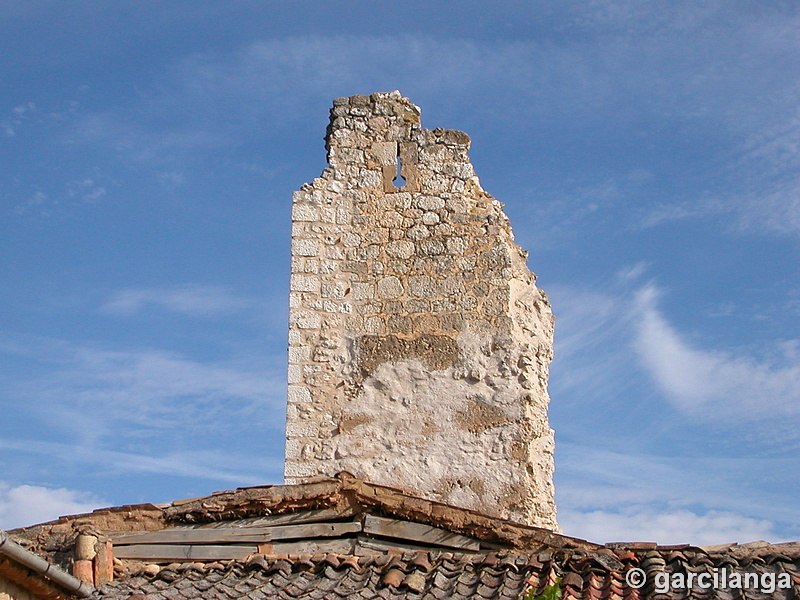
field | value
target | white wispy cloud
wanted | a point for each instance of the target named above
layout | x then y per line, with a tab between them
35	202
147	390
24	505
213	464
643	523
146	411
16	117
191	300
701	437
142	140
584	360
608	340
86	190
624	478
717	385
657	71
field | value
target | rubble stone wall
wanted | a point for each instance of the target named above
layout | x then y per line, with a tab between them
419	344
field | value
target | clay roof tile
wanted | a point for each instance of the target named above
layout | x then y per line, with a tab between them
393	577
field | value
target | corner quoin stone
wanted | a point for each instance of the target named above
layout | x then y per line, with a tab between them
419	344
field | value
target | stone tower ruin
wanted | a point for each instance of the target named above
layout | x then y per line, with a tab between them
419	344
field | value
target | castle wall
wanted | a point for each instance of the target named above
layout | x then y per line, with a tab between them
419	344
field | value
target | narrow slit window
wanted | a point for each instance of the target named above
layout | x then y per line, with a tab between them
399	181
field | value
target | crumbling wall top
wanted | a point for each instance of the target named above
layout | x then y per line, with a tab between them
419	343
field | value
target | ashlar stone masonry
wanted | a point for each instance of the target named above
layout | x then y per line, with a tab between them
419	344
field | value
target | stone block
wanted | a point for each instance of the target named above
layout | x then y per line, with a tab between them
305	212
400	249
363	291
389	287
430	218
401	201
455	245
334	253
304	320
454	320
426	323
305	247
295	374
450	286
370	178
399	324
352	266
428	203
399	265
351	240
422	286
300	196
385	153
391	218
294	471
298	394
304	283
299	354
392	307
418	305
418	233
374	325
431	247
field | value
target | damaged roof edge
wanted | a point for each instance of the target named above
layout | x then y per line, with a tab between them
345	488
41	567
343	491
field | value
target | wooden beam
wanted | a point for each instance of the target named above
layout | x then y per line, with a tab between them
306	516
188	552
192	536
238	534
183	552
384	545
330	546
314	530
417	532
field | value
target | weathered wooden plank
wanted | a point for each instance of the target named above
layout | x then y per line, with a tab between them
183	552
331	546
384	545
314	530
306	516
193	536
238	534
417	532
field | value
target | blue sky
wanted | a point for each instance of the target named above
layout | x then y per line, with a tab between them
647	154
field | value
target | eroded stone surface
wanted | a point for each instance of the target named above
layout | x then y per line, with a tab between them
419	344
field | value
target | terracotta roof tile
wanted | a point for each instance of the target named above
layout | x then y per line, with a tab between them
497	560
